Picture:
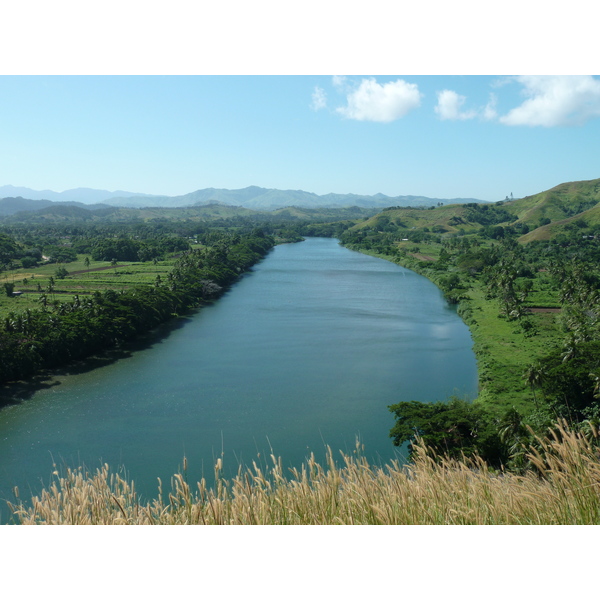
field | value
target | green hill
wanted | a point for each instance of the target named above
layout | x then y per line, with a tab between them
563	208
583	221
441	219
309	214
64	213
556	204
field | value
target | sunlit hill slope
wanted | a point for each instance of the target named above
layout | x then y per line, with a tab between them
541	216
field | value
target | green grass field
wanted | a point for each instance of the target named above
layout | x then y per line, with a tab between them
504	351
81	280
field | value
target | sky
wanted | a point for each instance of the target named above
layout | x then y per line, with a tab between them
437	99
468	136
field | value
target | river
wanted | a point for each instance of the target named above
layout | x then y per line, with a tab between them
307	349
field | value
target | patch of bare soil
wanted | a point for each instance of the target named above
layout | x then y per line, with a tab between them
96	269
423	257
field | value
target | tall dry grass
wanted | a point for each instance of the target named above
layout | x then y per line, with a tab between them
563	488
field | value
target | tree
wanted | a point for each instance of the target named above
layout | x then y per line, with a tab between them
9	288
567	386
61	273
516	437
534	376
454	429
28	262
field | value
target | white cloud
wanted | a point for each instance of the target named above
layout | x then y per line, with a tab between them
339	81
319	99
489	112
555	101
449	105
372	101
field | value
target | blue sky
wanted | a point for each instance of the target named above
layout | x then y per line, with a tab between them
439	136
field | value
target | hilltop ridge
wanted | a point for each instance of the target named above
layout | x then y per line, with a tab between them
544	215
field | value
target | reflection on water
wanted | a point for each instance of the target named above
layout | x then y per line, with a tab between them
306	350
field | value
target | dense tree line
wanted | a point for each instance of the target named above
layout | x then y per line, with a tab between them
60	332
9	250
134	250
26	247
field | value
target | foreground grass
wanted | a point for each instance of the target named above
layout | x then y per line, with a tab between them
562	488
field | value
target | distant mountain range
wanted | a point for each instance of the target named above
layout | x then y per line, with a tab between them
11	206
565	208
252	197
83	195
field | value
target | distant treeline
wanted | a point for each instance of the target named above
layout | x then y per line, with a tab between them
28	245
61	332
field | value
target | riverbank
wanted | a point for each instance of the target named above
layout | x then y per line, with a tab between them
57	332
502	349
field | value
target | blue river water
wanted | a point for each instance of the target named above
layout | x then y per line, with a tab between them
306	350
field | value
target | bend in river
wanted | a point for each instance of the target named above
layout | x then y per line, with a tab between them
307	349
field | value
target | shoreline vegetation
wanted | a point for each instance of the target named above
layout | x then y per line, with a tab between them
524	276
86	318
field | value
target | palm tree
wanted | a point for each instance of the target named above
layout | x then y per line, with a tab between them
43	299
570	349
596	390
516	437
535	375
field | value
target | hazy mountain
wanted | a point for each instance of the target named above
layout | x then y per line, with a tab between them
259	198
11	206
216	211
84	195
253	197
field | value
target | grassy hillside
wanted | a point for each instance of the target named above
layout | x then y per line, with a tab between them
441	219
558	203
562	209
584	221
